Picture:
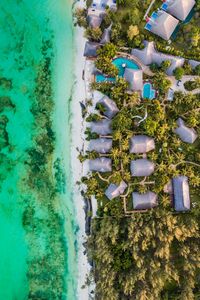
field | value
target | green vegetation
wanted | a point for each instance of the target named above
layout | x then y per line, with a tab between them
104	60
192	84
150	255
178	73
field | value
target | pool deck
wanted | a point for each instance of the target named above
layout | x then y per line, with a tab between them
143	67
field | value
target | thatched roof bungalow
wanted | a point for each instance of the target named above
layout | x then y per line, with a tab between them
142	167
115	190
144	201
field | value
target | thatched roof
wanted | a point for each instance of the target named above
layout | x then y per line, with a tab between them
164	25
134	78
180	8
141	144
102	127
114	190
105	36
100	145
94	21
144	201
150	55
186	134
181	193
142	167
91	49
111	108
102	164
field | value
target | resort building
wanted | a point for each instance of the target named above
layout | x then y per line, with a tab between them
142	167
134	78
97	11
181	193
106	36
100	145
110	106
150	55
94	20
193	63
162	24
102	127
90	50
180	9
186	134
144	201
114	191
102	164
141	144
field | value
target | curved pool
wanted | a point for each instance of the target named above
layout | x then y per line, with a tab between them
118	62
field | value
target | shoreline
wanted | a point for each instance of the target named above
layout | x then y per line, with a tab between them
77	143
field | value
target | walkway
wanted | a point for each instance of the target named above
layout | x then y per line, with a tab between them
148	9
180	87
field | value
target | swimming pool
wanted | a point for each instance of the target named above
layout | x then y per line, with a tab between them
121	63
148	92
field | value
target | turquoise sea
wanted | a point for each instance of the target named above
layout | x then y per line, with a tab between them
24	26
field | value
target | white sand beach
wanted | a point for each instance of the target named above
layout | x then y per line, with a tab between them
77	142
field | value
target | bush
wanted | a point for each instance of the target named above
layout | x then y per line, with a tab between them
178	73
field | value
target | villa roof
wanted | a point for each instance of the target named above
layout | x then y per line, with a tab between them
144	201
150	55
102	127
101	164
181	193
100	145
141	144
111	108
91	49
142	167
94	21
186	134
145	55
180	8
164	25
105	36
114	190
134	78
194	63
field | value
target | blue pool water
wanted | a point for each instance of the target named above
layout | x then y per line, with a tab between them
148	92
118	62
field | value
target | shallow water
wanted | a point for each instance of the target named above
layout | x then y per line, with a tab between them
24	25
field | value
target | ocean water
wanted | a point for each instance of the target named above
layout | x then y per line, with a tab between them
24	25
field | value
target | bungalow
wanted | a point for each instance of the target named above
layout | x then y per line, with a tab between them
150	55
102	127
179	8
144	201
115	190
141	144
94	21
106	36
91	49
97	11
102	164
181	193
142	167
110	106
186	134
100	145
134	78
162	24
